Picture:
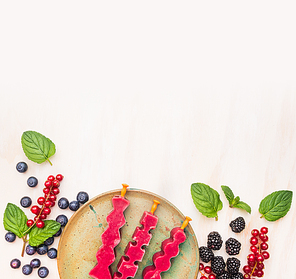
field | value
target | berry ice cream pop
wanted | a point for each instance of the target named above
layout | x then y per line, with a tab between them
127	267
110	237
169	250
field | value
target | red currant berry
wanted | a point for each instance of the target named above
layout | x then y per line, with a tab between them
254	249
251	264
255	232
251	258
265	255
260	258
50	178
36	218
56	183
46	191
59	177
212	276
201	266
264	230
52	204
41	200
247	276
48	184
46	211
55	191
30	223
40	224
254	273
203	277
35	209
247	269
264	246
208	269
42	216
260	266
47	204
260	273
263	237
52	198
253	240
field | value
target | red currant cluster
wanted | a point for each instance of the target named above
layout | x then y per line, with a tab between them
206	270
50	191
259	245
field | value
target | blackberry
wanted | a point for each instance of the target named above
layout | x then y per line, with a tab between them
237	276
214	241
232	246
233	265
218	265
237	225
205	254
224	275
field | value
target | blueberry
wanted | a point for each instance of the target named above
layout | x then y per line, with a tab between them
32	181
21	167
27	269
63	203
31	250
49	241
82	197
26	202
52	253
35	263
58	233
43	272
62	219
74	205
15	263
42	249
10	237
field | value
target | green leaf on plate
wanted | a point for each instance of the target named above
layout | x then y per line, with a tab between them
37	147
38	236
206	200
276	205
15	220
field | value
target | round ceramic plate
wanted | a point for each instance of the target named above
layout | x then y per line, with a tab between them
81	237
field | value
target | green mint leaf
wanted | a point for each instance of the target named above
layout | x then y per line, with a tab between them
235	201
276	205
243	205
15	220
37	147
228	193
38	236
206	200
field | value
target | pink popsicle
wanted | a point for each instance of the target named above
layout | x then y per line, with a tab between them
169	250
127	267
110	237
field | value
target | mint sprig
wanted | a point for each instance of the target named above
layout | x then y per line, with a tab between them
15	220
37	147
235	201
206	200
276	205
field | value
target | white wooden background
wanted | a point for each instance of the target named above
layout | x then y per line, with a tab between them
157	95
